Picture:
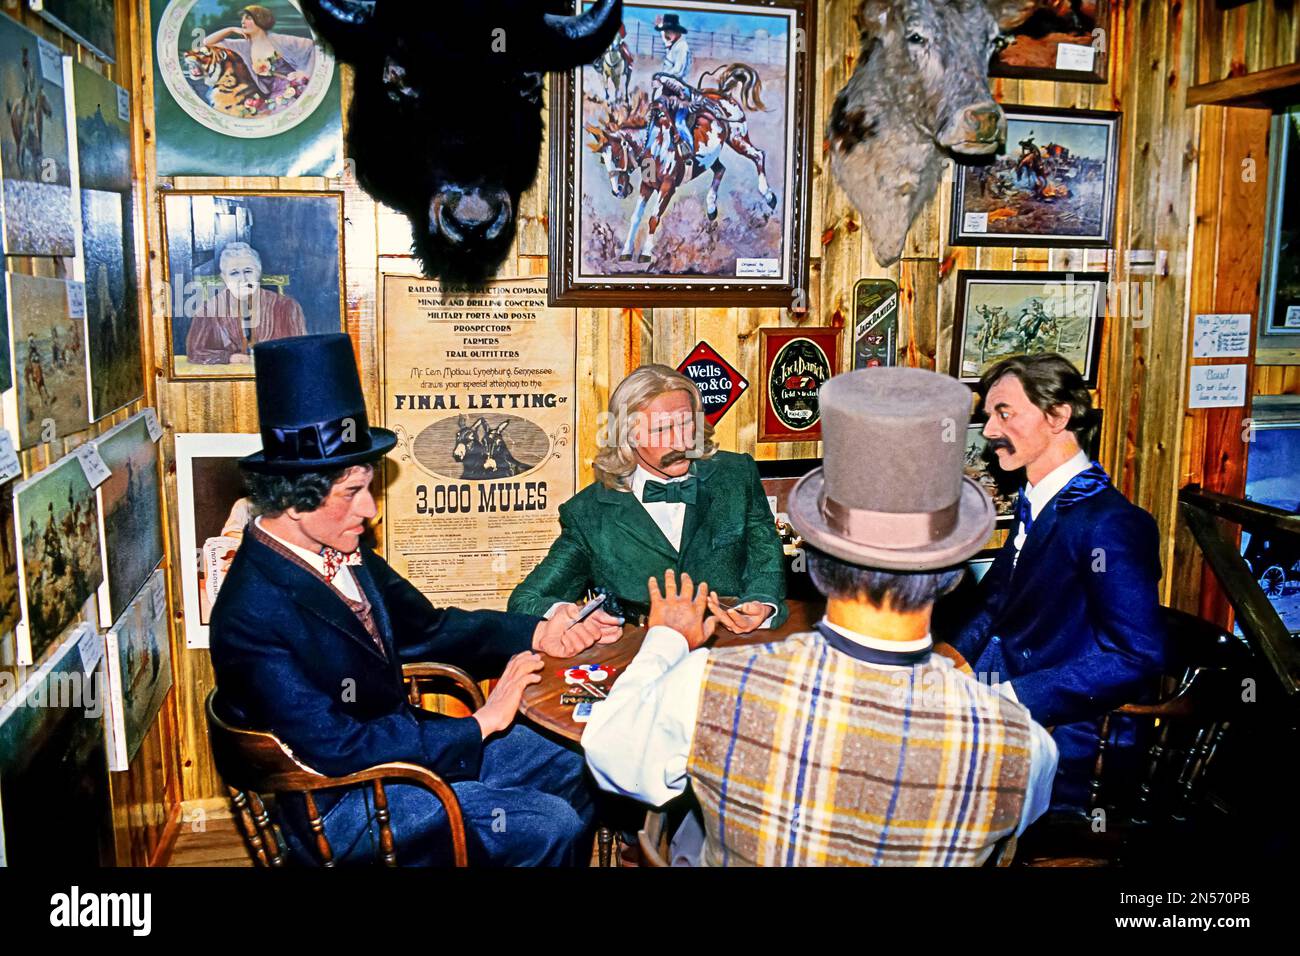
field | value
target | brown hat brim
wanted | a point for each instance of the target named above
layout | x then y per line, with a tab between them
975	519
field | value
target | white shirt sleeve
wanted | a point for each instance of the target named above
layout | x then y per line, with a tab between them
639	738
1042	773
767	625
554	607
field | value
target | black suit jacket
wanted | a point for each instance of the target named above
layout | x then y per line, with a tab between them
291	657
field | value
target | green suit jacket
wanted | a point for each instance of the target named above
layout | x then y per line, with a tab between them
608	539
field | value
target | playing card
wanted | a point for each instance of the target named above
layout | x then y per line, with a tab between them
582	713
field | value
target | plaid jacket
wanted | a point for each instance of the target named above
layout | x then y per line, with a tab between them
804	756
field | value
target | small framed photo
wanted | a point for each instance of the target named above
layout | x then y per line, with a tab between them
1273	478
679	159
1053	185
1066	42
1000	314
213	511
1278	342
248	267
795	363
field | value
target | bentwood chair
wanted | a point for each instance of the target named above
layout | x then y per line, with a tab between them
253	763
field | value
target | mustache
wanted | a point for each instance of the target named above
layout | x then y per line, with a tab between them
672	458
995	443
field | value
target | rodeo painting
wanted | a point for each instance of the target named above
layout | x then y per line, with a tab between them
685	144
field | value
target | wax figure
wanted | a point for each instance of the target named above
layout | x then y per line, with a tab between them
1068	615
853	744
664	497
217	335
311	627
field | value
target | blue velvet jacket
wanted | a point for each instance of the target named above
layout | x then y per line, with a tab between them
285	645
1075	626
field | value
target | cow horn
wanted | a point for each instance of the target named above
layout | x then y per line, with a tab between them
569	41
341	23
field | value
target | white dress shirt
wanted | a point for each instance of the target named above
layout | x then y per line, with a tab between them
677	60
343	579
638	739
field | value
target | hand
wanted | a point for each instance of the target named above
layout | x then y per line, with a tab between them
554	637
498	712
682	610
742	618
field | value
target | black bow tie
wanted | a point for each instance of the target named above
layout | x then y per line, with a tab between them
673	492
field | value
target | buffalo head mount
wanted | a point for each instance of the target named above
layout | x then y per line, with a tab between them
920	93
446	124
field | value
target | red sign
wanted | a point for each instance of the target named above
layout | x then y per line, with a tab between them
719	384
795	363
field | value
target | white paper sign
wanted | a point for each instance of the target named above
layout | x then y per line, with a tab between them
1222	335
124	105
758	267
10	466
151	422
1217	386
1073	56
51	62
1292	320
975	222
76	299
91	648
92	464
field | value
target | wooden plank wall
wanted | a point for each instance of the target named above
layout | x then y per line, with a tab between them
146	797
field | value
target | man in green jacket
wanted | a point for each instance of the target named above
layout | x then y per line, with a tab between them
664	497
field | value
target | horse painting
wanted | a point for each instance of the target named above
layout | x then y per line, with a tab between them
615	69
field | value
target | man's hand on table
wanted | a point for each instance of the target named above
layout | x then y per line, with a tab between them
742	618
498	712
554	637
681	609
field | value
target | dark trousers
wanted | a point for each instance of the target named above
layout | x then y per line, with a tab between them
531	806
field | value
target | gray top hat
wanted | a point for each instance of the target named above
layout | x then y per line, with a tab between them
891	493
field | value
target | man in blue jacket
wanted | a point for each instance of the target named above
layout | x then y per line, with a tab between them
311	627
1068	616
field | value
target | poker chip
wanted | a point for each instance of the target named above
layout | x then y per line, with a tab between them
595	673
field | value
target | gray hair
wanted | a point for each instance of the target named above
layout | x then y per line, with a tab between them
233	249
616	460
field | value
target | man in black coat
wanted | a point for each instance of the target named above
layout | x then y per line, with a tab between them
311	628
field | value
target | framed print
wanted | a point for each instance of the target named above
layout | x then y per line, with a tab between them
137	654
1053	185
9	605
1000	314
89	22
875	323
130	518
1278	342
57	525
1273	478
107	264
248	267
54	793
237	94
679	159
794	363
35	163
212	510
47	322
1067	42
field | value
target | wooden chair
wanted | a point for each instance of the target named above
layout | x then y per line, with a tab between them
253	762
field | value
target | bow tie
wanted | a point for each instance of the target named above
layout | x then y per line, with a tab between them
673	492
1024	513
335	559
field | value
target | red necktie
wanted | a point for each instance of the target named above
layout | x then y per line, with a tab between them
335	559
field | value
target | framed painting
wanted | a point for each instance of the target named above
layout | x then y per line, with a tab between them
47	323
679	172
90	22
137	651
129	513
35	161
794	363
1064	40
10	611
1000	314
1054	184
248	267
1278	341
1273	478
212	511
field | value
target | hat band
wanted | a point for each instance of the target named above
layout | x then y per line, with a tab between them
890	529
322	440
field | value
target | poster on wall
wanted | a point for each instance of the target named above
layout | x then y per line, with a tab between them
137	652
246	267
130	521
212	510
481	391
89	22
48	401
242	91
34	157
795	363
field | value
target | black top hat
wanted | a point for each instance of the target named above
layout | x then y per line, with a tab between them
670	23
310	407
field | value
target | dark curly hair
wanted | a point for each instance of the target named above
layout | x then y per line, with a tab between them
273	495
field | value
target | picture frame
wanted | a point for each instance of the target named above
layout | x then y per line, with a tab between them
130	516
210	330
1001	313
211	514
1278	338
92	23
1059	191
733	245
138	663
1071	48
50	395
1273	478
794	363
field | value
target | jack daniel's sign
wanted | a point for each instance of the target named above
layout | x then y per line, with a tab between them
795	363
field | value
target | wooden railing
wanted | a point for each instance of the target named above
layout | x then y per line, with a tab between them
1204	512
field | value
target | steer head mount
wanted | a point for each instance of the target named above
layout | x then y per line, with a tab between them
445	124
920	93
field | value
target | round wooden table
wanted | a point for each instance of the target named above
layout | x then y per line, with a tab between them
541	702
